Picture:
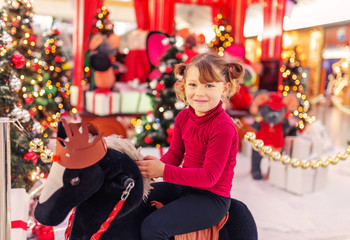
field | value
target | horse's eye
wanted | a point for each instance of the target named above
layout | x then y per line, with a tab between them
75	181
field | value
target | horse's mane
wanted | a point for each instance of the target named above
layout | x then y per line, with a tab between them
123	145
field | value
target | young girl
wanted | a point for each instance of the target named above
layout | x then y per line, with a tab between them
196	196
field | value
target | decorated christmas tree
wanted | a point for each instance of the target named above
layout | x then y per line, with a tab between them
156	128
293	76
223	38
57	79
20	74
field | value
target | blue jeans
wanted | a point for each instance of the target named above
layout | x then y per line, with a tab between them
185	210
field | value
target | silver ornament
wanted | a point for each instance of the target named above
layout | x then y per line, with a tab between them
37	128
168	114
150	118
180	105
17	113
15	84
25	116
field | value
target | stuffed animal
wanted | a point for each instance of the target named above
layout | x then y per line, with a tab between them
103	49
272	107
92	174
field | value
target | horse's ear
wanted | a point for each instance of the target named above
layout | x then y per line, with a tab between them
156	47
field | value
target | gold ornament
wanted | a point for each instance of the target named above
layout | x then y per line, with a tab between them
342	156
285	159
258	144
325	163
295	163
305	164
36	145
333	160
276	156
266	151
347	150
46	156
250	137
314	164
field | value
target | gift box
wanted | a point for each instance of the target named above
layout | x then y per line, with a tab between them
129	101
102	103
19	213
278	174
145	103
74	95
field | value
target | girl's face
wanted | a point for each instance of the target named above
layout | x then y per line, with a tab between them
203	97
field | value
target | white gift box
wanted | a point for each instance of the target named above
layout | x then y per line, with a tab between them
19	213
278	174
102	104
74	95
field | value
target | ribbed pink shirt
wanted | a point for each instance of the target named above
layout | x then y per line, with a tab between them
208	145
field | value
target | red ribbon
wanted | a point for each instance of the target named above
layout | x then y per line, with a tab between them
105	91
19	224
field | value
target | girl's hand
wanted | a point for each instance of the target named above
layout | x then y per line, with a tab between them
151	167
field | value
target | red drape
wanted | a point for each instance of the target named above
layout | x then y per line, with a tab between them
85	11
155	15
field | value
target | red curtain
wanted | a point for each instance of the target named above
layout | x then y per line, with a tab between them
155	15
85	11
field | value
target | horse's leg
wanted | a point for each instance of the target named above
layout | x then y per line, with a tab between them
240	225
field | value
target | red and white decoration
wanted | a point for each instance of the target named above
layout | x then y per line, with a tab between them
19	213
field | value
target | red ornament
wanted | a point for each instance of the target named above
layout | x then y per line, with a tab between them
116	72
201	38
48	48
160	86
148	140
178	55
35	66
57	32
29	99
18	60
32	38
169	69
170	131
15	23
31	156
157	94
169	139
58	59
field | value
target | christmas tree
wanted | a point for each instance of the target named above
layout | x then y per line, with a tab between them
21	71
223	37
156	128
57	75
293	75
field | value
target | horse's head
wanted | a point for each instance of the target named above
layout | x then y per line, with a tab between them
94	181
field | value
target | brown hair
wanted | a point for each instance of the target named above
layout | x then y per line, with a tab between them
209	65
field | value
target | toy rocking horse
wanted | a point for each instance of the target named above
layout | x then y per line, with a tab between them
99	178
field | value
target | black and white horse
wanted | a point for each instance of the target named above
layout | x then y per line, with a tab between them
95	190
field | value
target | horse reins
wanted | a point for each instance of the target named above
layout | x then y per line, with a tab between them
111	217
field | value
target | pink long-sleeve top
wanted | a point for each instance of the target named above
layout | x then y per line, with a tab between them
207	146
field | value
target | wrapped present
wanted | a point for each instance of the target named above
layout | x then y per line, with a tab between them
19	213
133	97
145	103
74	95
102	102
278	174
